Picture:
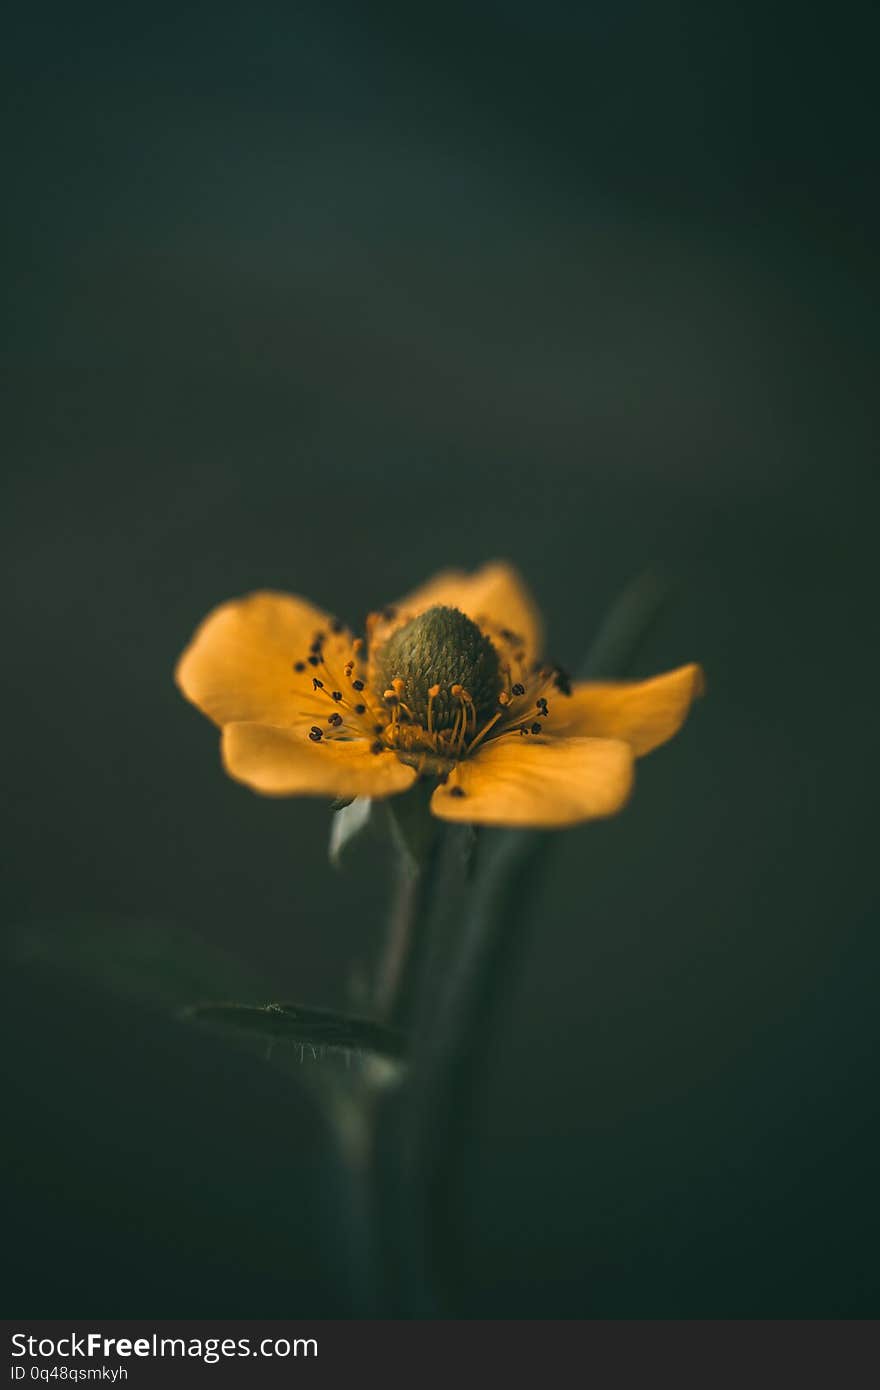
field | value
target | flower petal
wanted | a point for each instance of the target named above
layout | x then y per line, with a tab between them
494	593
644	713
239	664
531	781
284	762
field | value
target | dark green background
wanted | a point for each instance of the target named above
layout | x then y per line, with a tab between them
325	297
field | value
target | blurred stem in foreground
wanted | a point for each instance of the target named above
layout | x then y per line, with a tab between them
466	914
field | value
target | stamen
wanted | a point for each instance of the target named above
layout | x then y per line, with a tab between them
392	700
454	735
335	720
433	692
299	666
484	731
467	708
518	689
377	747
316	734
471	708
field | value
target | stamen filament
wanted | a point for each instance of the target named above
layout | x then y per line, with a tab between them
432	695
484	731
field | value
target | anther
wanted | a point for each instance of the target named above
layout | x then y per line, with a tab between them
391	697
347	669
377	747
562	681
517	689
398	685
316	734
336	695
299	666
378	728
314	660
335	720
357	685
455	690
456	791
317	684
504	698
360	709
434	691
536	728
541	706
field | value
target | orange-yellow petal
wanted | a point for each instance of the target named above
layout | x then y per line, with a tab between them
495	593
284	762
643	713
239	664
530	781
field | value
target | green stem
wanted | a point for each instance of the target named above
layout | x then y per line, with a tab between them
447	1058
396	963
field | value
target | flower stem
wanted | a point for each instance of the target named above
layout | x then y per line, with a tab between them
447	1063
457	927
400	956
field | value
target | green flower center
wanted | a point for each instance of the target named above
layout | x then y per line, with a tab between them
441	647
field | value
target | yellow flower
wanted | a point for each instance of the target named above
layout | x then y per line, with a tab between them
449	685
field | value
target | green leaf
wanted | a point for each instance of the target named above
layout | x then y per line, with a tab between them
321	1030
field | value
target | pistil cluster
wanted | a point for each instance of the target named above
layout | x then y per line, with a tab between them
432	691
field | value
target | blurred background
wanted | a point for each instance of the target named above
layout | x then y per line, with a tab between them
325	297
